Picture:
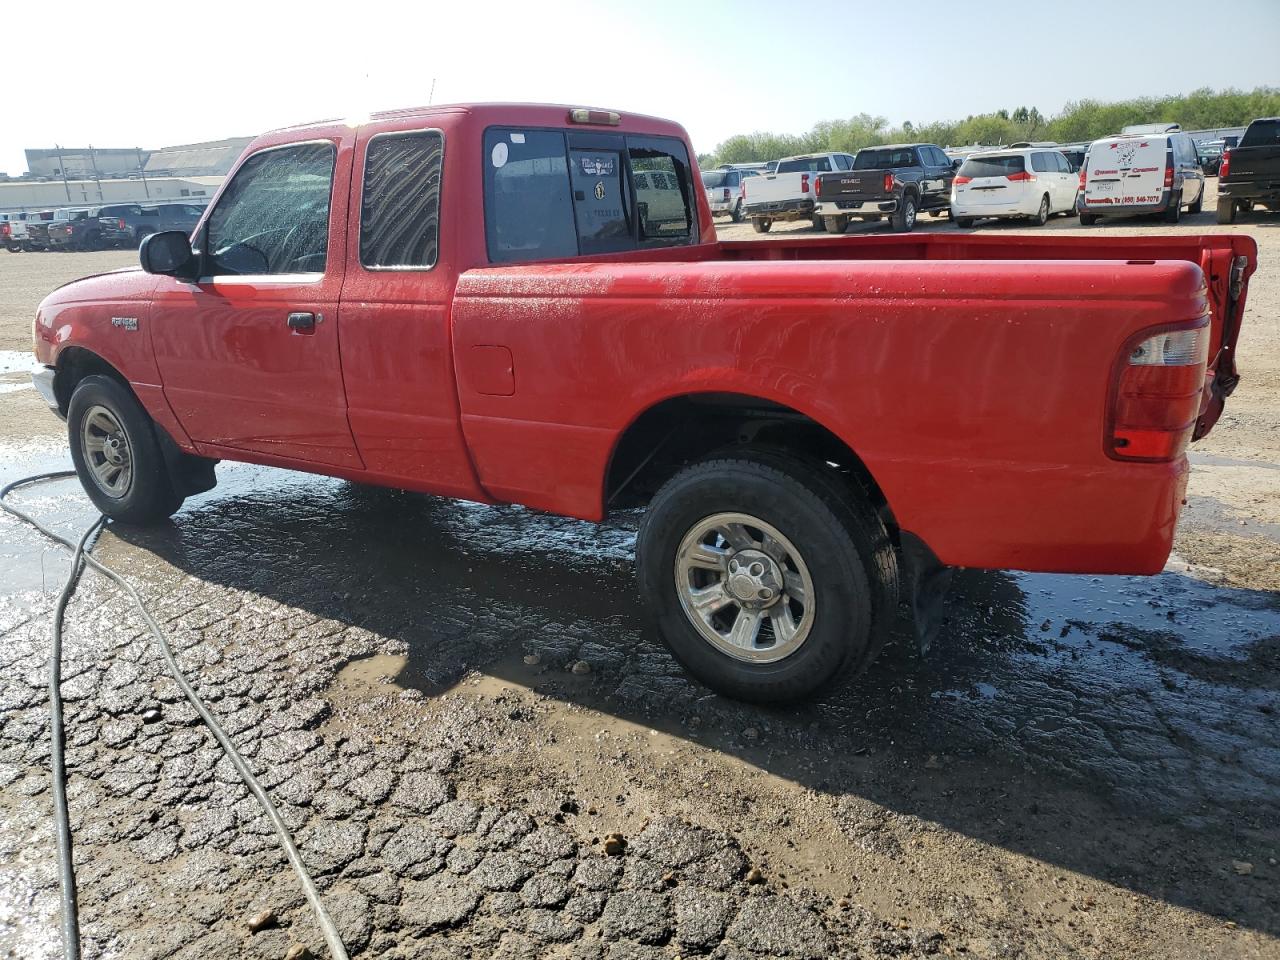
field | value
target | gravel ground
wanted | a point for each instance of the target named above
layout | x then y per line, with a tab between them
1083	766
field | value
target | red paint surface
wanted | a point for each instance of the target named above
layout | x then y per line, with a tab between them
971	374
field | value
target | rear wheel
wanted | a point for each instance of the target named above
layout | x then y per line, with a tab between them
117	455
1042	215
761	224
1088	219
817	222
838	224
1173	212
1199	202
737	213
904	218
964	223
767	576
92	240
1226	211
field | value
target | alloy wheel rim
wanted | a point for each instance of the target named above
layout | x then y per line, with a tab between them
745	588
107	451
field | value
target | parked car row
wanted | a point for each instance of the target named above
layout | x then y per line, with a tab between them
95	228
1144	170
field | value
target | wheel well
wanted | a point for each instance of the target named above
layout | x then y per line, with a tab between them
679	431
76	363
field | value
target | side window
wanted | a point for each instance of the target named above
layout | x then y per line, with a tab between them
842	162
664	213
733	180
1064	165
528	212
1040	162
274	215
400	203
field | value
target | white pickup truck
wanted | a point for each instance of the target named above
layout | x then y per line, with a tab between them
788	194
13	231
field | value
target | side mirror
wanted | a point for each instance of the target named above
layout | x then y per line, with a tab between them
167	253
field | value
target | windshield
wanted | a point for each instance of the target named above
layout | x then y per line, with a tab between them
811	164
715	179
884	159
992	166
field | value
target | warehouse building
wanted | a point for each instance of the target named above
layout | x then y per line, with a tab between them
33	196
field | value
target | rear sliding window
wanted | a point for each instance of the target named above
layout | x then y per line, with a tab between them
713	180
809	164
553	194
400	205
992	166
884	159
1262	133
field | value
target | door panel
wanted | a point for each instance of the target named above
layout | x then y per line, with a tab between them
236	371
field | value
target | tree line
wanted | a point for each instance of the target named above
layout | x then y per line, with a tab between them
1079	120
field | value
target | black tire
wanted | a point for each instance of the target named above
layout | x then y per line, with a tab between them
1226	211
761	224
837	224
964	223
1088	219
846	551
92	240
737	214
149	496
1199	204
1173	212
141	235
903	219
13	247
1042	214
817	222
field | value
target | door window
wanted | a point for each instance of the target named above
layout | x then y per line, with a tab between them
400	203
1040	162
273	217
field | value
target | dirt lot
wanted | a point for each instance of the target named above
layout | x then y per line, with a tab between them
1083	767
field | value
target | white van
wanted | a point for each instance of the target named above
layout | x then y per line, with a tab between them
1026	183
1140	173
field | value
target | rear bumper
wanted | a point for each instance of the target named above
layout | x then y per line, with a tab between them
1265	190
856	208
722	206
782	209
1018	208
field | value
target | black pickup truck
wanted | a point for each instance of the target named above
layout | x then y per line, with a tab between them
1250	173
900	181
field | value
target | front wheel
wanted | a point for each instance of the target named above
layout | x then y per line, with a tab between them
904	218
769	577
117	455
761	224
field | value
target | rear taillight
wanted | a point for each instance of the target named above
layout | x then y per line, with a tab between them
1155	397
1020	177
726	194
1168	176
889	181
804	183
961	181
1082	178
120	224
5	230
1225	166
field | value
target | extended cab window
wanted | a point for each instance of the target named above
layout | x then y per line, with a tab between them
400	206
806	164
552	194
274	215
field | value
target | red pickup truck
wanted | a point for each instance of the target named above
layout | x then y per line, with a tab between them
487	302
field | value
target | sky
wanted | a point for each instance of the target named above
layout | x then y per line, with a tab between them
237	69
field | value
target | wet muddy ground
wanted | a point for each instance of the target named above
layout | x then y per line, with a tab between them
1082	766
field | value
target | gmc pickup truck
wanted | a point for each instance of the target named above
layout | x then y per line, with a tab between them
1249	174
899	181
468	301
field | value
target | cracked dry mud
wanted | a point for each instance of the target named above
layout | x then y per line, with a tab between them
1079	768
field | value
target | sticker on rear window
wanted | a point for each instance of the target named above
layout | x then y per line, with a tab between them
517	138
597	166
499	155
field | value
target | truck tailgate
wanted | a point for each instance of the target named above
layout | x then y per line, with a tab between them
777	187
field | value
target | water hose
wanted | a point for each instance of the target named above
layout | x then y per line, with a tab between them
83	557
